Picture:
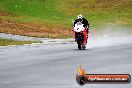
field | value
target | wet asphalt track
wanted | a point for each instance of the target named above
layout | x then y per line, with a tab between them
55	65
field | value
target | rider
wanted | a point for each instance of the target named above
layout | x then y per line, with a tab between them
85	23
81	19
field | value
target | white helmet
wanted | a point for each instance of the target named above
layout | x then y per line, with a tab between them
79	16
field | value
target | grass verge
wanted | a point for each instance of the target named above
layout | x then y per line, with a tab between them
5	42
53	18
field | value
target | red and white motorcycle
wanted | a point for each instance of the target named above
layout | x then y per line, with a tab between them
81	35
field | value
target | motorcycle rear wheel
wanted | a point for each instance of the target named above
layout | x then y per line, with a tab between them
84	47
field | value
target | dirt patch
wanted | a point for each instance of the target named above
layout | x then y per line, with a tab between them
33	29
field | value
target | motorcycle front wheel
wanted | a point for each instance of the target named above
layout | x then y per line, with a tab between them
79	45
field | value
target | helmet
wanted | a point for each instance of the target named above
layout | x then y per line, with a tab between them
79	16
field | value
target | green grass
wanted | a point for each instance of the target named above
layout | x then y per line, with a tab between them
5	42
100	11
34	10
61	12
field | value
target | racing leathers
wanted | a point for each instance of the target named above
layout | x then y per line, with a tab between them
83	21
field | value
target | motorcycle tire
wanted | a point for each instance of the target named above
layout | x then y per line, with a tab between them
84	47
79	45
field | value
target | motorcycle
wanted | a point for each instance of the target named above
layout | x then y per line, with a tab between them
81	35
